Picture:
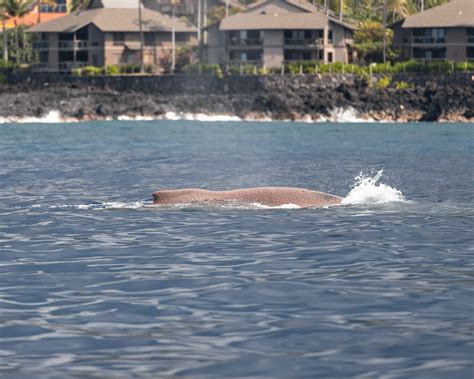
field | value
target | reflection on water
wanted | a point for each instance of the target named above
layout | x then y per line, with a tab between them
95	282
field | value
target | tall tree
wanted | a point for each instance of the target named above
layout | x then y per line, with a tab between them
4	18
18	9
400	8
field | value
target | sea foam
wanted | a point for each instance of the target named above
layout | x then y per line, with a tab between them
52	117
368	190
338	115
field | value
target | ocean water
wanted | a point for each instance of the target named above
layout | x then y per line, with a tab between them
96	282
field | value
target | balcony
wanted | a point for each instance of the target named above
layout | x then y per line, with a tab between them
239	42
40	45
428	40
73	45
304	43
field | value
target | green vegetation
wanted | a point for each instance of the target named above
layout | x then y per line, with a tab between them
203	68
112	70
404	85
383	82
372	10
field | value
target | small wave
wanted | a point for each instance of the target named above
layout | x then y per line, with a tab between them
133	205
104	205
52	117
368	190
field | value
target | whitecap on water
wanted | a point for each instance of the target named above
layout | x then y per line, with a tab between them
368	190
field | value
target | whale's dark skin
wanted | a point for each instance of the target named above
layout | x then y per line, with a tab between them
270	196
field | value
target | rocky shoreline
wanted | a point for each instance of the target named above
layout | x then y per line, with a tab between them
297	97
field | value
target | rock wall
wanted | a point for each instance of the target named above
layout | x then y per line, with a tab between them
427	97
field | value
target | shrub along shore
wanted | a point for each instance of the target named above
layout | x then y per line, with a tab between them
407	91
294	68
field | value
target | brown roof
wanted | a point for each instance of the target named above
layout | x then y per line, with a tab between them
113	20
458	13
308	18
253	21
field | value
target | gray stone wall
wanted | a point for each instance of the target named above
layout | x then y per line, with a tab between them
172	85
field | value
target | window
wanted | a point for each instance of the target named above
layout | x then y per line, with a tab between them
297	55
429	35
470	53
253	34
181	37
119	38
245	56
470	35
44	56
429	54
60	7
149	39
330	37
330	57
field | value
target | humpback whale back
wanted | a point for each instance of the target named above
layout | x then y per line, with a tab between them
270	196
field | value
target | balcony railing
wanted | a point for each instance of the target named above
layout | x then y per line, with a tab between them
245	42
307	42
245	63
39	67
429	60
428	40
70	45
68	66
40	45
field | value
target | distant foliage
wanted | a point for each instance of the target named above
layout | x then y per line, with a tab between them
368	42
383	82
372	10
185	55
203	68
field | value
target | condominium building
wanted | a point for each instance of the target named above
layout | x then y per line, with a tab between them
108	32
445	32
272	32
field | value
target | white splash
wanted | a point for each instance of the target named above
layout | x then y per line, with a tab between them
198	117
339	115
133	118
349	114
283	206
52	117
368	190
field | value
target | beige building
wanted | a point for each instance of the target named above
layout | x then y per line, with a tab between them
108	34
445	32
273	32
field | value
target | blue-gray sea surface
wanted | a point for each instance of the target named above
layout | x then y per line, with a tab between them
96	283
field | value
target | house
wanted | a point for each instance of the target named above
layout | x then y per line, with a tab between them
108	33
272	32
445	32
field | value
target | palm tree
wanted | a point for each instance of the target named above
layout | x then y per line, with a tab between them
4	17
400	8
17	9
